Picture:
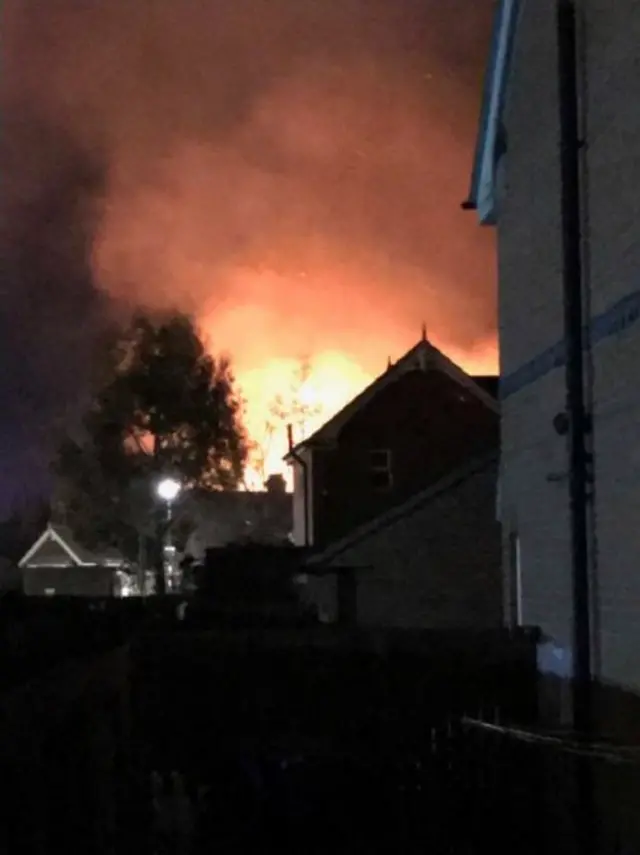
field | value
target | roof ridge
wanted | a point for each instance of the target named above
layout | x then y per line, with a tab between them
63	535
393	372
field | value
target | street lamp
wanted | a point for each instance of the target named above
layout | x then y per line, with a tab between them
168	490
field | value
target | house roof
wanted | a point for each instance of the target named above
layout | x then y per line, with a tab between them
56	541
489	382
431	493
424	357
482	193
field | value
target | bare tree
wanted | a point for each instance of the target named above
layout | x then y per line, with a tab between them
291	408
286	408
166	406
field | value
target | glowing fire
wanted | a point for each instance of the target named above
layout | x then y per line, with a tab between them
306	394
303	393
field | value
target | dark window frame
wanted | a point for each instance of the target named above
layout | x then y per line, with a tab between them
381	469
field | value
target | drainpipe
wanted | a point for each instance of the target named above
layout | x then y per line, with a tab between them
577	418
305	482
578	421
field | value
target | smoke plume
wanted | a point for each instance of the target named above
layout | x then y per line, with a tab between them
289	170
50	309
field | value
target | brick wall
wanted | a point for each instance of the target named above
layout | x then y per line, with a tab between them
430	424
435	564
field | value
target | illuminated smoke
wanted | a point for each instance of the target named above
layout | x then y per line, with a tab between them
290	170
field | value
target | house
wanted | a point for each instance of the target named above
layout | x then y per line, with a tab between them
430	562
419	421
57	565
563	198
401	501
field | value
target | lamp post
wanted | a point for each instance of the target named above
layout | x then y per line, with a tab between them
167	490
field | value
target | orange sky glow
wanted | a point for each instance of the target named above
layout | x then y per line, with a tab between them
334	379
292	177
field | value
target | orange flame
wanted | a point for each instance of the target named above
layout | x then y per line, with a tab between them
304	394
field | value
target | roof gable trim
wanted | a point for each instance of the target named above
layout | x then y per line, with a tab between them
50	534
482	195
423	357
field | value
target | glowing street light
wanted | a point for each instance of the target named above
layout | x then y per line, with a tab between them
168	489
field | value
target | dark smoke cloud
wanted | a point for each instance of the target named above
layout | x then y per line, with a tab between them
290	169
50	308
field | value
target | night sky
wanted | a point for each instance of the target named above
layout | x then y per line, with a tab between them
289	170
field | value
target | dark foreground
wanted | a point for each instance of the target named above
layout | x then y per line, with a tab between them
303	804
288	739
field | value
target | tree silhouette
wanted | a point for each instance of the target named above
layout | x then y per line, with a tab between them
166	407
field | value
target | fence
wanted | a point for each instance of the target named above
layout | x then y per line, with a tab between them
353	732
354	691
37	634
65	735
65	757
390	741
537	793
377	740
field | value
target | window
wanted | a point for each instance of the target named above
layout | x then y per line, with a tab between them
380	467
380	480
380	459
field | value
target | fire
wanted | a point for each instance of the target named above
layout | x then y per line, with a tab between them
306	370
302	392
306	393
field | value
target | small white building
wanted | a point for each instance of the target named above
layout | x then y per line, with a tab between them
57	565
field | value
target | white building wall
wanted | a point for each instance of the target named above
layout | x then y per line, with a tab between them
302	483
534	503
617	510
612	203
530	292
